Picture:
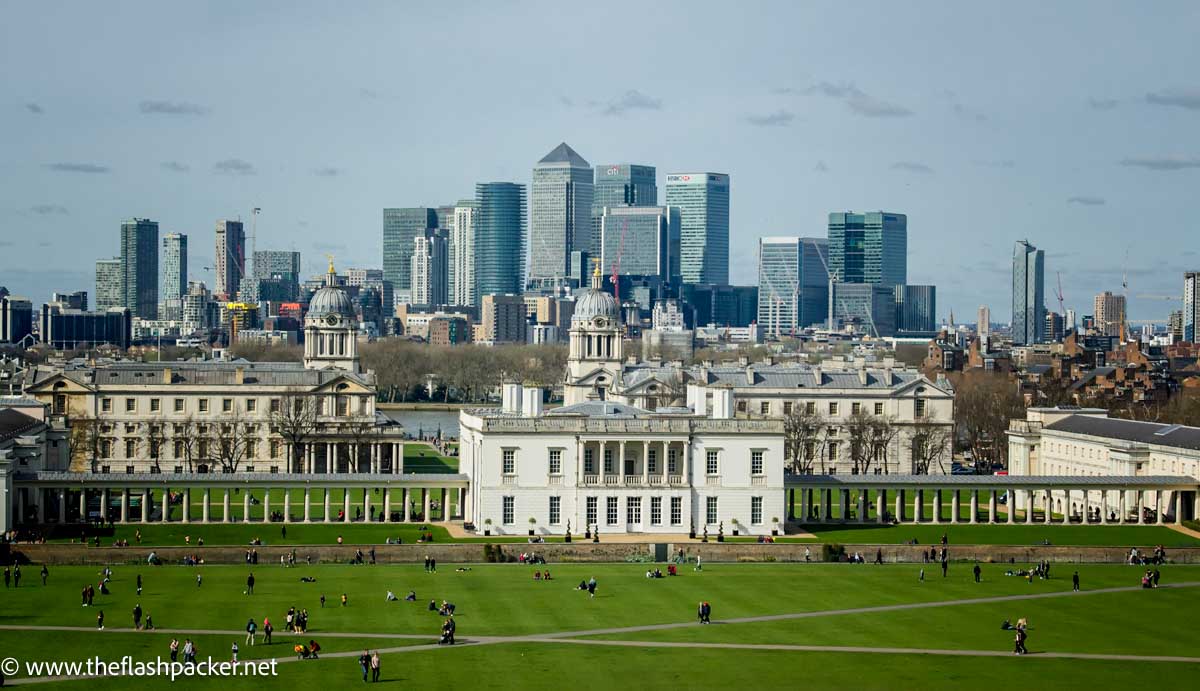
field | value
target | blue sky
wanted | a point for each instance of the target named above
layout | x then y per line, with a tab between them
1073	124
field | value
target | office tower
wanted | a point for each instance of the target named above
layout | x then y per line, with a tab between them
916	308
640	241
400	228
1028	298
621	184
1191	306
110	278
793	288
276	277
502	318
1069	321
362	277
268	263
174	272
560	214
871	307
1110	313
499	237
1175	325
139	267
703	201
77	300
16	319
1054	327
445	219
983	326
719	305
869	248
429	268
462	255
64	328
231	258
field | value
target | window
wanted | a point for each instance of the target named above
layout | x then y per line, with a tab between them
555	510
919	407
202	448
130	405
676	510
856	408
274	405
589	462
105	448
810	450
509	510
787	407
612	511
879	409
179	405
178	451
755	510
591	510
633	510
204	405
833	451
556	461
608	461
741	406
508	465
710	516
652	461
129	469
711	465
130	448
810	407
764	407
756	462
833	408
343	406
251	405
226	405
106	405
274	448
155	405
60	403
655	510
673	461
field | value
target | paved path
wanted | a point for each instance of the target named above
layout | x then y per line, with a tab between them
1180	528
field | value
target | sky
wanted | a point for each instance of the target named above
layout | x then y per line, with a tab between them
1075	125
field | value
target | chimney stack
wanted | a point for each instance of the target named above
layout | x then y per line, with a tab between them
722	403
510	398
531	401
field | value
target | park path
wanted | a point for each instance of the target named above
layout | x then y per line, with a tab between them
1180	528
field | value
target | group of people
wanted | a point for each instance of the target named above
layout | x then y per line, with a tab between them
530	558
1156	558
1150	578
430	564
446	609
369	662
704	613
309	651
189	650
296	621
588	586
657	572
448	628
539	576
251	556
1021	635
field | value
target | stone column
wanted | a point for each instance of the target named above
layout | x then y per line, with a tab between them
918	505
267	505
146	505
187	504
124	504
425	492
367	504
645	466
346	504
1159	507
446	505
326	517
1177	506
287	505
842	502
956	506
992	507
466	510
1029	506
387	504
82	505
398	466
881	506
1122	512
937	506
863	506
307	504
225	517
205	499
1012	506
974	506
899	501
1049	506
246	505
620	469
62	506
1139	496
166	505
1104	507
462	498
1086	507
404	511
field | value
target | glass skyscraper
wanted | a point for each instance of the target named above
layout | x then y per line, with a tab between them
620	184
461	249
174	275
499	238
916	308
869	248
793	288
1191	305
139	267
703	201
640	241
231	258
109	281
400	228
1028	299
560	213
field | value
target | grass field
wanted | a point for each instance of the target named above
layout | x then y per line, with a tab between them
515	631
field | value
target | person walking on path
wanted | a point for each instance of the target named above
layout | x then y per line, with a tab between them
945	566
1075	581
139	584
375	666
100	620
45	574
234	650
699	566
198	580
251	627
174	649
977	571
364	662
267	629
17	576
700	613
922	576
807	555
137	616
250	584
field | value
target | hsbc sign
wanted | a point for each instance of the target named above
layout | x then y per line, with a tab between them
679	178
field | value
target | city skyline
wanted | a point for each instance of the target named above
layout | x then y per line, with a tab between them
1070	149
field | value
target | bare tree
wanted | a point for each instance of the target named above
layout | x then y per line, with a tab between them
293	418
361	432
881	432
155	441
984	403
858	433
803	438
85	441
930	445
235	439
191	443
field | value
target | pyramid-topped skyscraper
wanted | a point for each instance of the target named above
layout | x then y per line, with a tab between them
560	210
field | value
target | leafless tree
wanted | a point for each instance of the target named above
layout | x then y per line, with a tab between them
85	441
984	403
881	432
803	438
930	445
361	432
234	439
293	418
191	442
858	433
155	441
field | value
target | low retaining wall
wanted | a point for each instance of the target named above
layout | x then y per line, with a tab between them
458	553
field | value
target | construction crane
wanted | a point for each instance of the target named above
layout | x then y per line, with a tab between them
1061	307
253	237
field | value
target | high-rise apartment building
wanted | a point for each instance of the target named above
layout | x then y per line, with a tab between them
1191	306
983	326
793	288
1109	313
499	237
400	227
1054	327
429	269
1175	325
462	256
77	300
640	241
110	280
231	258
703	201
1070	320
139	267
174	268
869	248
560	213
502	318
620	184
1028	294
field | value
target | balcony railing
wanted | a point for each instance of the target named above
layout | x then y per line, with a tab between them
758	480
612	480
591	479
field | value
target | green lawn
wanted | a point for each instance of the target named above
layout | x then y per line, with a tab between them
420	457
504	600
927	534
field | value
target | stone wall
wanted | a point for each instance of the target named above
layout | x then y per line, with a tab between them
584	552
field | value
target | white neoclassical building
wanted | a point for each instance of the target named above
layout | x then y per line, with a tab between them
620	468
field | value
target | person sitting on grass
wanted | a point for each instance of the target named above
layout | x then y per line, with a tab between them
433	606
391	597
313	648
537	575
546	576
582	585
411	597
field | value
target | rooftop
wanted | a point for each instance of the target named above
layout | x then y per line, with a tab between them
565	154
1177	436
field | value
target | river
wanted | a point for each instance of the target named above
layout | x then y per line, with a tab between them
426	422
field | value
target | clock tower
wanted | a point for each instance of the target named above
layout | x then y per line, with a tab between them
331	328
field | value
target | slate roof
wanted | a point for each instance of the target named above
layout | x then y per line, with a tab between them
14	423
1035	481
204	373
565	154
1177	436
598	409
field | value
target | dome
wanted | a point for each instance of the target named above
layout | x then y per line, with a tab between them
595	303
330	300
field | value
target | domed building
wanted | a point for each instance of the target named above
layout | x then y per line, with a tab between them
330	329
595	355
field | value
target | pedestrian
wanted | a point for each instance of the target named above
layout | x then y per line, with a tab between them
250	584
426	563
17	576
707	609
198	577
45	574
879	556
344	599
174	648
807	555
235	651
100	620
364	662
699	566
267	630
977	571
149	623
375	666
945	566
1155	577
1075	581
700	613
433	565
283	532
139	584
137	616
322	600
922	576
251	627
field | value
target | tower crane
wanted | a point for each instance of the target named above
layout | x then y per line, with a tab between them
1059	294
